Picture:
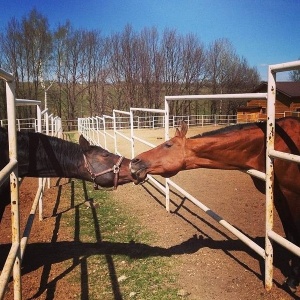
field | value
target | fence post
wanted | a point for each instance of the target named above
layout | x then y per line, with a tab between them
131	133
104	130
14	187
269	179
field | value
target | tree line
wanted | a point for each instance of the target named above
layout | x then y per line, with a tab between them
84	73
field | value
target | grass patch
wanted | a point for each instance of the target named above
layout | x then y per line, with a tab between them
120	262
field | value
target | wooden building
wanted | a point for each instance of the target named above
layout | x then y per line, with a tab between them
287	103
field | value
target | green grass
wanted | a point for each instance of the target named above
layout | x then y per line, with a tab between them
120	248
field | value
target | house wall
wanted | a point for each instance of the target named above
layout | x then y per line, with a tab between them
280	107
246	117
295	106
257	103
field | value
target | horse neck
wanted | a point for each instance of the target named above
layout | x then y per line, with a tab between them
231	151
44	156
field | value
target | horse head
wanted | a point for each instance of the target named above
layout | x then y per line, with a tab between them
104	168
166	160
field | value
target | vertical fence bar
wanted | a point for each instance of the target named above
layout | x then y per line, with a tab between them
131	134
167	137
40	180
14	187
115	131
269	178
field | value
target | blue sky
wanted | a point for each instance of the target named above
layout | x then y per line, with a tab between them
263	31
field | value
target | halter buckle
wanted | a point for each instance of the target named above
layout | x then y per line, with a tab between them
116	169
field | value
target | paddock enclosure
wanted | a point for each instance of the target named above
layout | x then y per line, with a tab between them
228	192
90	127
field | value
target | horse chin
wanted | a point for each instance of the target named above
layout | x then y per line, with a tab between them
139	176
169	174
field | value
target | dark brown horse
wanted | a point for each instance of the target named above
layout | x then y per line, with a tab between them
237	147
43	156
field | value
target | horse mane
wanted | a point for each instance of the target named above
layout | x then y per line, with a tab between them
231	128
3	136
27	139
237	127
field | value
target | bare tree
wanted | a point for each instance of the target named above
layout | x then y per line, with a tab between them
103	84
93	72
151	68
194	70
13	54
72	73
37	42
27	46
2	90
294	75
171	51
228	74
116	75
59	57
90	74
130	65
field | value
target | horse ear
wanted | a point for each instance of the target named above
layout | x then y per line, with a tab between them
184	129
177	132
84	144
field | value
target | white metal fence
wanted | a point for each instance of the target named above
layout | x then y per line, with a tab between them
156	121
52	126
13	262
40	123
162	118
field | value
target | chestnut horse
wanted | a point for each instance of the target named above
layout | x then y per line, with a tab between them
40	155
237	147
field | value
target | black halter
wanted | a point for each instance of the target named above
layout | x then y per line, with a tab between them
115	169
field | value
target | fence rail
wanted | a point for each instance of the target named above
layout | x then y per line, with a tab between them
158	121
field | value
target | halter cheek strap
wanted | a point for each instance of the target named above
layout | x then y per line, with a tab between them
115	169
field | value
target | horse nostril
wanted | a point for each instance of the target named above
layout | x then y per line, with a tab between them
135	160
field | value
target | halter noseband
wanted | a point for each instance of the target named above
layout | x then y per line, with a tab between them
115	169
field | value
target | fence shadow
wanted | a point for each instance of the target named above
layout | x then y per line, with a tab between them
180	208
48	254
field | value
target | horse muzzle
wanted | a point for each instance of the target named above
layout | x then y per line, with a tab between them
138	170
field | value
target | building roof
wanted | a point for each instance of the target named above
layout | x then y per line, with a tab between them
249	109
288	88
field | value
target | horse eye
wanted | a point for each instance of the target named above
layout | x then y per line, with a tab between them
168	144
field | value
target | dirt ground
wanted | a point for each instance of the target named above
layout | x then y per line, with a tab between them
215	265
